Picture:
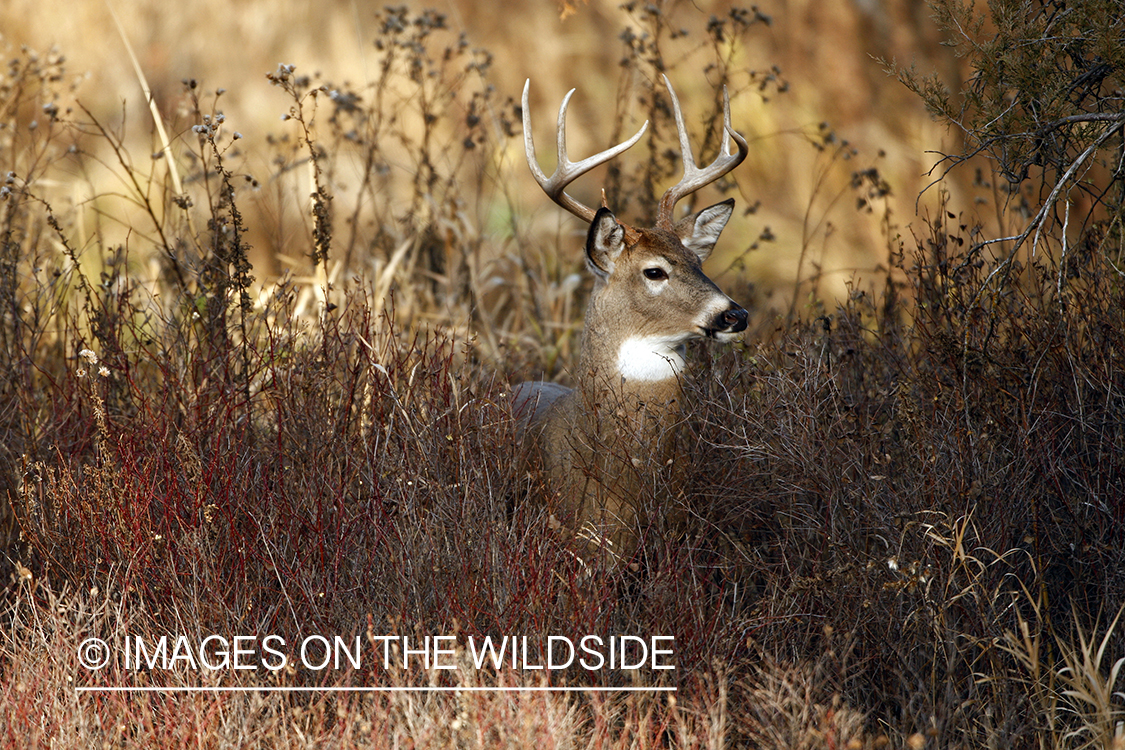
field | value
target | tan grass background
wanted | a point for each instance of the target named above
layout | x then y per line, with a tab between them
826	53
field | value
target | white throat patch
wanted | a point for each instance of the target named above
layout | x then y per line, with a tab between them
649	359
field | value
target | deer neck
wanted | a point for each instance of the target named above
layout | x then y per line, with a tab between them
629	368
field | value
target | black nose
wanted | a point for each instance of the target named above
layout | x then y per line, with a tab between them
732	320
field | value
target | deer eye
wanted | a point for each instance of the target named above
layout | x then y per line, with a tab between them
655	274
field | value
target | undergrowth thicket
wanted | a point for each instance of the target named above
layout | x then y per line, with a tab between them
908	510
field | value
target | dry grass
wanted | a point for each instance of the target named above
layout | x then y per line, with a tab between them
810	66
259	387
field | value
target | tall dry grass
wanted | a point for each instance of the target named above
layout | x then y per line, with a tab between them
803	74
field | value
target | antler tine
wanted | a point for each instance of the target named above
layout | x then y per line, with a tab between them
566	171
694	178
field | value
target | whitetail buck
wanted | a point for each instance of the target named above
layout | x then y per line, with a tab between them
603	443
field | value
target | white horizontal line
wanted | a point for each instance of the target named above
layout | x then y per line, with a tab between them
361	689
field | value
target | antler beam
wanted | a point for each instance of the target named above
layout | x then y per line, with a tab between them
694	178
567	171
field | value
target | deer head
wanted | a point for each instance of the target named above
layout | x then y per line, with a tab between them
650	293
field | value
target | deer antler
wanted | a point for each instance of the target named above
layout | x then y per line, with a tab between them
566	171
694	178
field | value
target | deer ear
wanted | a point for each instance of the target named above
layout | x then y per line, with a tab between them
700	231
604	243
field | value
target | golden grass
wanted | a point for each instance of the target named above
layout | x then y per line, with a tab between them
803	195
